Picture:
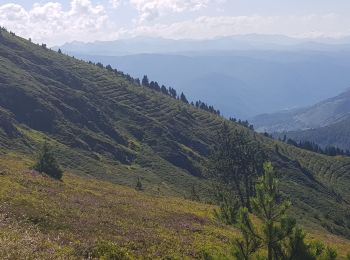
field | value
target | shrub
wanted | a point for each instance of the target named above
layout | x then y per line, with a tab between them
107	250
47	163
139	186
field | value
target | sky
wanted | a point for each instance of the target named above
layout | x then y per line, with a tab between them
57	22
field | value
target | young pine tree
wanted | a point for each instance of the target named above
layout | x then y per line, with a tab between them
278	233
194	195
271	209
47	163
228	207
246	247
139	186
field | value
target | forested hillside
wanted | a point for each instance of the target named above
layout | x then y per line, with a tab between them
336	135
106	125
328	112
326	124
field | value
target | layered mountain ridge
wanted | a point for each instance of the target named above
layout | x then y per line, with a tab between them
104	125
326	123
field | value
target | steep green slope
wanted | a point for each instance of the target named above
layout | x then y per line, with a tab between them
44	219
41	218
105	126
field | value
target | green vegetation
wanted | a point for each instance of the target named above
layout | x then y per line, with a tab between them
87	217
109	250
323	127
81	216
108	129
335	136
47	163
139	186
278	234
313	147
236	164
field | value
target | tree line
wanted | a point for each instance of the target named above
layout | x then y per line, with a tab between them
314	147
154	85
244	123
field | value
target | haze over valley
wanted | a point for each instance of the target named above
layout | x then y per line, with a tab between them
177	129
242	76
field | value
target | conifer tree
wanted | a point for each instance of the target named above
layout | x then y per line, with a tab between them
236	164
139	185
172	92
194	195
47	163
183	98
228	207
164	90
250	243
278	233
145	81
269	207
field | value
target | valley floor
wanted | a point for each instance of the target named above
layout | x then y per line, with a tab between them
41	218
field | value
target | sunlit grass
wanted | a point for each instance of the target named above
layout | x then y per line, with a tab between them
66	219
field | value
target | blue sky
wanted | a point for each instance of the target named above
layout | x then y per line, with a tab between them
56	22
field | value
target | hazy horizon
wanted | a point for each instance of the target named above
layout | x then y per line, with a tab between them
58	22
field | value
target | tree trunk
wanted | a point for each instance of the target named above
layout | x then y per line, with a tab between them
269	251
247	193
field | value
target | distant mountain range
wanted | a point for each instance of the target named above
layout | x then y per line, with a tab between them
322	114
326	123
242	75
149	45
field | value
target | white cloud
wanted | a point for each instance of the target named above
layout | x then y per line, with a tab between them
51	24
115	3
150	9
329	25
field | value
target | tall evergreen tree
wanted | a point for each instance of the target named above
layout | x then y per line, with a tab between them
145	81
156	86
236	164
172	92
164	90
183	98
